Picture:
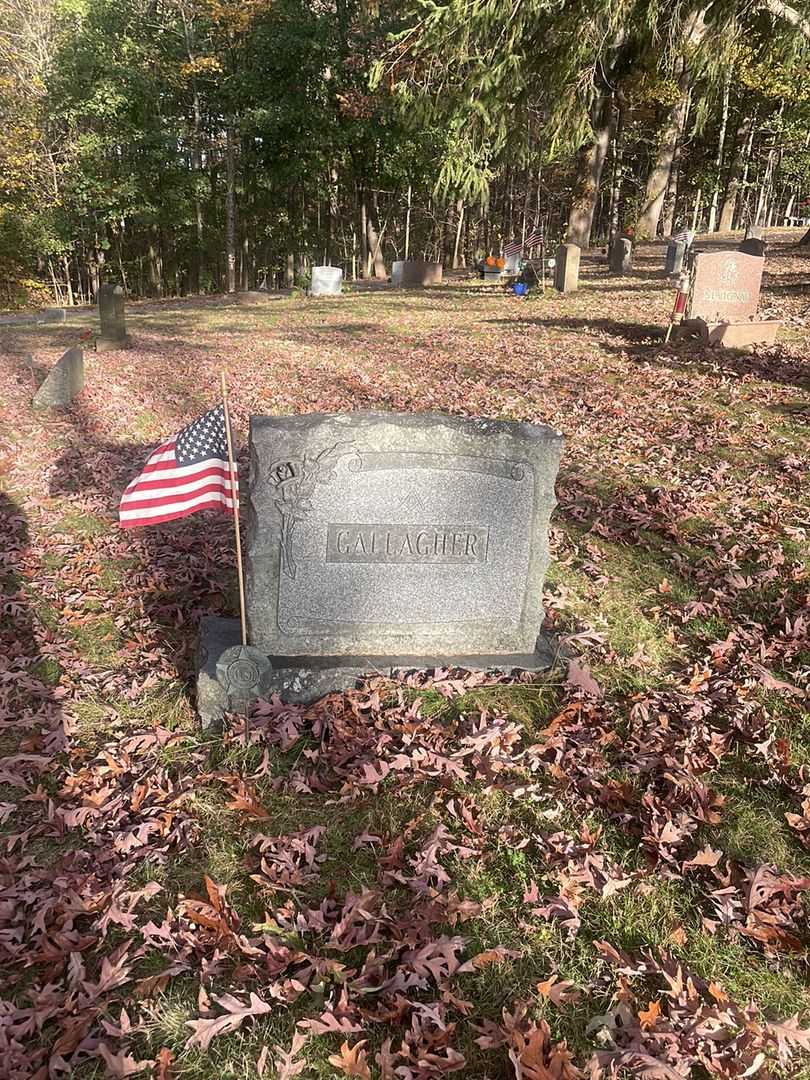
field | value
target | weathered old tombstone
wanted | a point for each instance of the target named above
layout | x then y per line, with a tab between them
383	541
752	245
413	273
755	232
511	263
676	249
621	255
326	281
63	382
111	316
566	268
723	300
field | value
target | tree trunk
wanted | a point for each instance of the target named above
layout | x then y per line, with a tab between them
230	211
375	256
155	263
658	180
721	142
459	227
590	162
671	197
729	206
196	262
68	282
616	179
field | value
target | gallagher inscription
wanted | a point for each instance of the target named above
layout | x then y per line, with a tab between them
406	543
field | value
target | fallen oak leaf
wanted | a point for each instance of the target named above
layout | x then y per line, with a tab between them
558	993
205	1030
579	676
287	1062
352	1061
164	1062
119	1065
648	1017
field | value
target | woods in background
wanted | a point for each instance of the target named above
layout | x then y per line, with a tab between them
185	146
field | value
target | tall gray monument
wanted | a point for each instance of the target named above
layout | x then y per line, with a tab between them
381	541
111	316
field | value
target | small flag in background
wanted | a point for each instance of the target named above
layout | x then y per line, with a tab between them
512	248
183	475
535	237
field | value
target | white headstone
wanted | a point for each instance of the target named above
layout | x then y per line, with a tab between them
326	281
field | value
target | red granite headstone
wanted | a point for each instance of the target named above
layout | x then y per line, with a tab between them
725	286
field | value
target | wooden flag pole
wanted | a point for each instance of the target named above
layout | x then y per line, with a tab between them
235	498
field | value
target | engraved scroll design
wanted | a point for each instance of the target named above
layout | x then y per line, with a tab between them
295	483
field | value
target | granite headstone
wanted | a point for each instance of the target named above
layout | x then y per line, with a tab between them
111	316
621	255
381	541
566	268
326	281
676	249
725	286
413	273
63	382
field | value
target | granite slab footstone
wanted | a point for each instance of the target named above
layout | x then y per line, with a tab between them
382	541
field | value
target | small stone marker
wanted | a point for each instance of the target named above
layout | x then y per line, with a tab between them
755	232
566	268
63	382
621	256
414	273
326	281
723	300
676	249
382	541
511	263
111	315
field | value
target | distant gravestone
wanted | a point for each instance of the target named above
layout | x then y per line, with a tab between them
413	273
111	316
511	263
566	268
755	232
621	256
676	249
752	246
63	382
326	281
381	541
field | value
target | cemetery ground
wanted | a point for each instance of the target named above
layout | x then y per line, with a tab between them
431	876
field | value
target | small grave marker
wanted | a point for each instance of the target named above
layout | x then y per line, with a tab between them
621	256
326	281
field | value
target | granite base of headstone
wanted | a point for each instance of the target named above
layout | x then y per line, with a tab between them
676	249
113	333
63	382
415	273
723	301
566	268
326	281
383	542
620	259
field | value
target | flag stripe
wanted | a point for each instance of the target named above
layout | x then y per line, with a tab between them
200	477
185	505
163	473
163	496
212	504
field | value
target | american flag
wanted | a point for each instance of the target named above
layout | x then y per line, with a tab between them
535	237
512	248
187	473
